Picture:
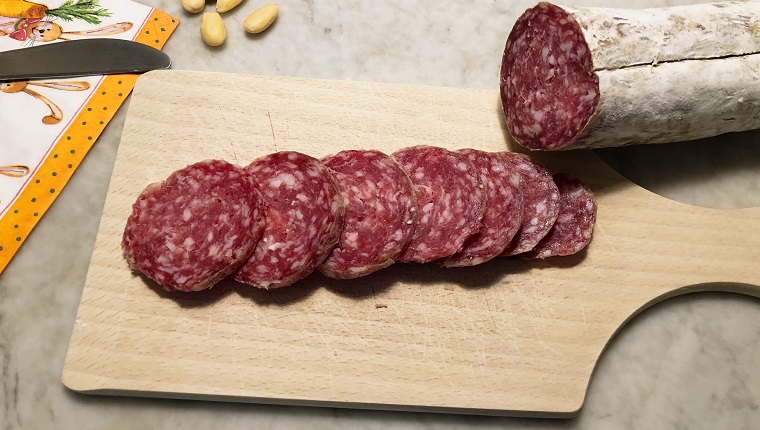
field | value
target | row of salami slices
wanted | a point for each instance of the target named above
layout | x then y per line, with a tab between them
286	214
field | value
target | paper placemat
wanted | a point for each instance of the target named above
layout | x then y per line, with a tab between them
47	127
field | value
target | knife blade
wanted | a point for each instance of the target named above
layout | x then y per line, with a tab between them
80	58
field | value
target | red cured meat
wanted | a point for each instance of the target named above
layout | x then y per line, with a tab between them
549	90
381	213
450	198
575	224
541	200
504	208
304	218
196	227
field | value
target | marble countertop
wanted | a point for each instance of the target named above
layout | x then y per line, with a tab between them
689	362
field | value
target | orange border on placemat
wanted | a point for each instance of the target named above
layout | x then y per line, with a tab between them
69	151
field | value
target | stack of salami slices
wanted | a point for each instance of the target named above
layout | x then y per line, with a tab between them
350	214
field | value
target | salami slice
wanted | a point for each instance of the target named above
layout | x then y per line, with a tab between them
381	213
575	223
196	227
541	202
504	209
451	201
304	218
597	77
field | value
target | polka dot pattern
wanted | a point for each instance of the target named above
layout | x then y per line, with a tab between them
69	151
66	156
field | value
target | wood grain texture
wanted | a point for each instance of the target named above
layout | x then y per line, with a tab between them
507	337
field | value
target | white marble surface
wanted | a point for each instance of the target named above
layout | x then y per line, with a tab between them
690	362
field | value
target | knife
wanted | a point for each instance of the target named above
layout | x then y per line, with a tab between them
80	58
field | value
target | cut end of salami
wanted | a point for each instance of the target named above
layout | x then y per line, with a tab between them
304	219
381	213
196	227
549	90
575	223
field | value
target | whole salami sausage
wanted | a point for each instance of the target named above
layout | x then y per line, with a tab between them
451	201
541	203
575	222
304	217
196	227
504	209
598	77
381	213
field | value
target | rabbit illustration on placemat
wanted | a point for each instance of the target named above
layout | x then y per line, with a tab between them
48	126
30	22
56	115
14	171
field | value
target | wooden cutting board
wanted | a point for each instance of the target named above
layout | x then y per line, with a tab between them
507	337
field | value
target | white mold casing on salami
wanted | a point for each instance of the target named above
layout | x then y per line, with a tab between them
664	75
304	218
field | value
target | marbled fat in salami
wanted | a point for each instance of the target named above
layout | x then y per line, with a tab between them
548	88
304	218
450	198
196	227
381	213
541	200
575	222
504	209
593	77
